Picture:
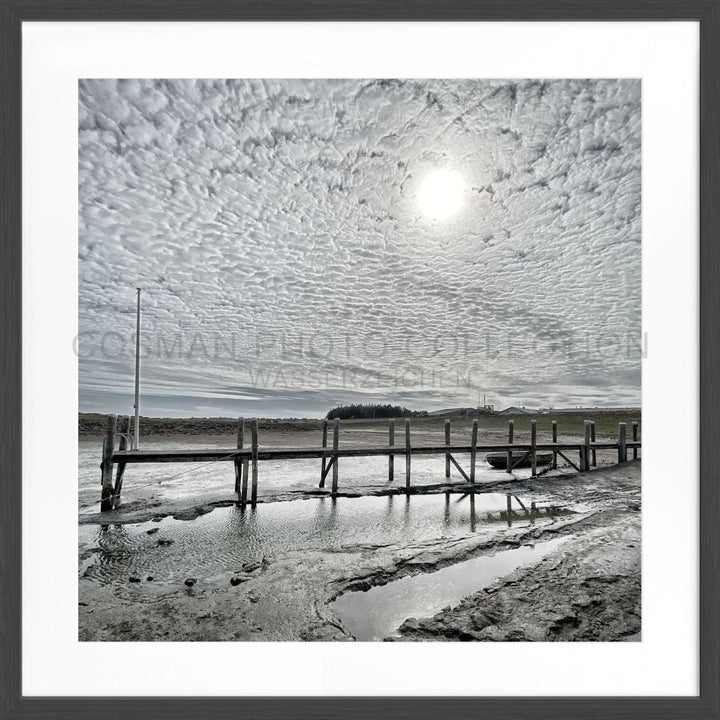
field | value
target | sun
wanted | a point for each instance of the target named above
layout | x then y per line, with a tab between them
441	194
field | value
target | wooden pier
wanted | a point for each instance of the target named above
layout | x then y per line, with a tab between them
246	459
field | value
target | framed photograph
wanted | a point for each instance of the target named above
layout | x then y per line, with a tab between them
389	332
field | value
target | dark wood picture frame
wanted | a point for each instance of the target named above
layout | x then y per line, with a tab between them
12	703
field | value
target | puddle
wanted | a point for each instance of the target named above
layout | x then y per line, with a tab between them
377	613
212	547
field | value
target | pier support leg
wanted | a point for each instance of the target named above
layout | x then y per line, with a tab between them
447	454
245	480
593	452
473	451
511	432
336	445
391	457
106	466
124	433
554	439
323	467
533	442
239	463
622	442
408	454
254	450
635	437
585	466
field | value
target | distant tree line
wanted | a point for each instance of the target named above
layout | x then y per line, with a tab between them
350	412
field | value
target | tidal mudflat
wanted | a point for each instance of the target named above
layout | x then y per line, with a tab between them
279	571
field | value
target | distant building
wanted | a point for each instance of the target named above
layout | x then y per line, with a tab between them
463	411
448	412
516	411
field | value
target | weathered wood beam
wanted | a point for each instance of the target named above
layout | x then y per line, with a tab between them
299	453
473	452
568	460
254	447
462	472
447	442
323	472
533	442
391	442
336	445
622	442
106	465
511	432
124	434
635	437
238	462
408	453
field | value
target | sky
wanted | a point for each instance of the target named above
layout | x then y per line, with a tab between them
302	244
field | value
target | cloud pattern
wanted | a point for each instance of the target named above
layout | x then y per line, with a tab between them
285	263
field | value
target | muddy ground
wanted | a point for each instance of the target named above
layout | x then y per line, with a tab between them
589	589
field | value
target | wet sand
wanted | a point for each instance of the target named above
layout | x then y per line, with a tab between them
589	589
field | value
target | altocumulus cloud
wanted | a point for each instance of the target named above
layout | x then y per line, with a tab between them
274	227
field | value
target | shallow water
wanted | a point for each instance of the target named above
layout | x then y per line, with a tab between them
212	547
378	613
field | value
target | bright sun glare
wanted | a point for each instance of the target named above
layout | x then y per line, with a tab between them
440	194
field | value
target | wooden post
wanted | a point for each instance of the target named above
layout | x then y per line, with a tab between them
635	437
254	448
336	444
473	450
511	431
407	453
238	463
106	466
622	443
592	440
533	442
324	460
391	457
245	479
585	459
554	439
447	442
124	434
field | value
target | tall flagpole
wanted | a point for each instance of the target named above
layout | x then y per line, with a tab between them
136	443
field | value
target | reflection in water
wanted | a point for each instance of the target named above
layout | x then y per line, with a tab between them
532	514
376	613
215	545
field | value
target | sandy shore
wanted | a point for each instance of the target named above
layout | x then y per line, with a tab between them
589	589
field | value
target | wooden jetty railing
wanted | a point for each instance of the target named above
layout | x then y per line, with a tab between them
245	457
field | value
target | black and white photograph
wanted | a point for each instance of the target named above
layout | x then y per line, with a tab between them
359	360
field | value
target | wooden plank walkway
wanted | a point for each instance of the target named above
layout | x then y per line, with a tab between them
247	459
309	453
